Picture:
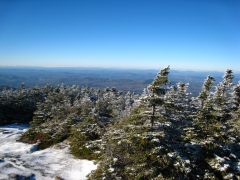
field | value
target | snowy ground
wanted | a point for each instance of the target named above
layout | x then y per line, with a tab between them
22	159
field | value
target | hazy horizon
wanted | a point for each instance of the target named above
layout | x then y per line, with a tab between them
126	79
122	68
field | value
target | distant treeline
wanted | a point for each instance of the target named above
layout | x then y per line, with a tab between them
127	80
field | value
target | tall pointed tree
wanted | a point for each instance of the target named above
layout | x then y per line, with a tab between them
157	91
223	98
204	115
207	85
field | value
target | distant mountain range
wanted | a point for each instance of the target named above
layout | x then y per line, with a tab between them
124	79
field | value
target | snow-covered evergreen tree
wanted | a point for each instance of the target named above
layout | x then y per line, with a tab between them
205	92
223	99
157	90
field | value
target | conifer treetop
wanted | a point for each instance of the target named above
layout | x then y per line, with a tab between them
207	85
161	79
228	78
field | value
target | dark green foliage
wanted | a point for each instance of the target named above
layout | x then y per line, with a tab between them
78	148
236	96
82	138
43	139
18	106
157	90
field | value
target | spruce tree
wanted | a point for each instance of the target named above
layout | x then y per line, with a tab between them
207	85
223	98
157	91
204	115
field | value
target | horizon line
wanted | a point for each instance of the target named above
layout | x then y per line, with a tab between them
115	68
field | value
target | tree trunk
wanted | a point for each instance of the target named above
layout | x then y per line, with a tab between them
153	115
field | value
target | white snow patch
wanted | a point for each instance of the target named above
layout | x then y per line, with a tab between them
224	167
238	166
115	160
219	159
18	158
155	140
171	154
111	169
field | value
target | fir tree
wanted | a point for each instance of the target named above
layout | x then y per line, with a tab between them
207	85
223	99
157	91
205	116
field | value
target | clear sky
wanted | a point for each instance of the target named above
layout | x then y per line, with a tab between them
186	34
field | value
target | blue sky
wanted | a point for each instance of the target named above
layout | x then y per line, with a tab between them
186	34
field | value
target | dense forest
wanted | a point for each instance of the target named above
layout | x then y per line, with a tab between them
164	133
